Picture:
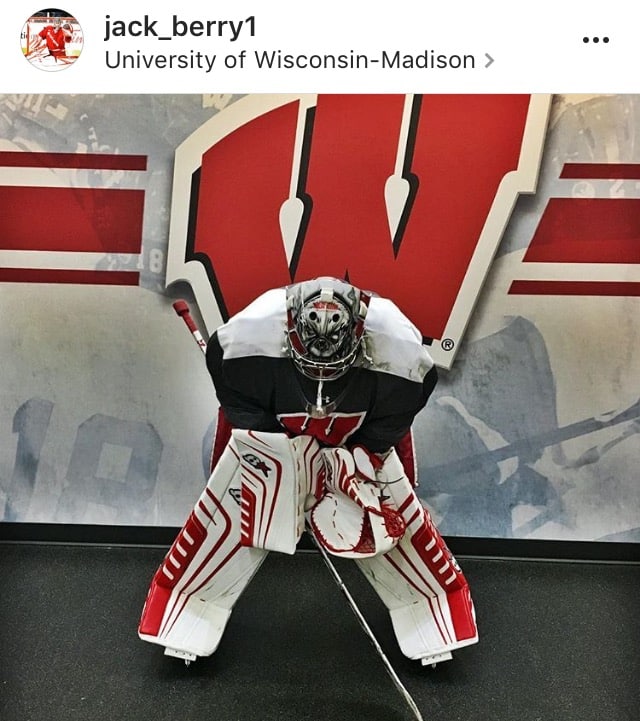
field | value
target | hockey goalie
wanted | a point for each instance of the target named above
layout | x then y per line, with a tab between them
318	385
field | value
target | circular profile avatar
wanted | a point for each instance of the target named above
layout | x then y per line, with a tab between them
52	39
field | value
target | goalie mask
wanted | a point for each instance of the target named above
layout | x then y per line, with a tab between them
325	325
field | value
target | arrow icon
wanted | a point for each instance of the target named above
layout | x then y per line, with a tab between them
489	60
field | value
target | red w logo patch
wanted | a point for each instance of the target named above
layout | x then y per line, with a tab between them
334	430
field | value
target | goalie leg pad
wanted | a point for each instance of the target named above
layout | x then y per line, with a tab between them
419	580
205	571
276	475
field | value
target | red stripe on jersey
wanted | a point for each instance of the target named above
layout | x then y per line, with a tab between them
221	439
406	453
332	430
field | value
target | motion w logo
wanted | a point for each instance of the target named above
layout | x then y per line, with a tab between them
404	195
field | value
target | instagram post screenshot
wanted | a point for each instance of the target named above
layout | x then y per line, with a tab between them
320	344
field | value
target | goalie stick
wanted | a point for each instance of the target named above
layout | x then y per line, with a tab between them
182	309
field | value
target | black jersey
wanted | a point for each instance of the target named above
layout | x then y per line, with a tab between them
373	404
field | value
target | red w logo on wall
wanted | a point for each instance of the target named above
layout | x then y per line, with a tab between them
407	196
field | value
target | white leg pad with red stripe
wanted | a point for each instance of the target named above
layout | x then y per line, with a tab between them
419	581
277	475
254	497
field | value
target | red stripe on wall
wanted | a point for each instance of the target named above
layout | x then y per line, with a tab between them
84	277
601	171
71	219
574	287
90	161
587	230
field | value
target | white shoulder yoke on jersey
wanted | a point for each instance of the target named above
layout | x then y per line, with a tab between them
392	344
257	330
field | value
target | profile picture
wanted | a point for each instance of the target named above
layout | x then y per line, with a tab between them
51	39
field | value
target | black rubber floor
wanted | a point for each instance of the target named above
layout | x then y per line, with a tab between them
559	642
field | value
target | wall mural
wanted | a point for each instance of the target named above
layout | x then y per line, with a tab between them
506	227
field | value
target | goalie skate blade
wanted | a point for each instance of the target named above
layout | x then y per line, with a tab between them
436	658
184	655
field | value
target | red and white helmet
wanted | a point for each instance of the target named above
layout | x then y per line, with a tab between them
325	324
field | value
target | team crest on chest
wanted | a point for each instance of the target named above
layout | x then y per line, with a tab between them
333	430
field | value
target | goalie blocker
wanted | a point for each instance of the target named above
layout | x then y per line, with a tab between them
257	499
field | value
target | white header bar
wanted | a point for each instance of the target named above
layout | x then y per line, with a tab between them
347	46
